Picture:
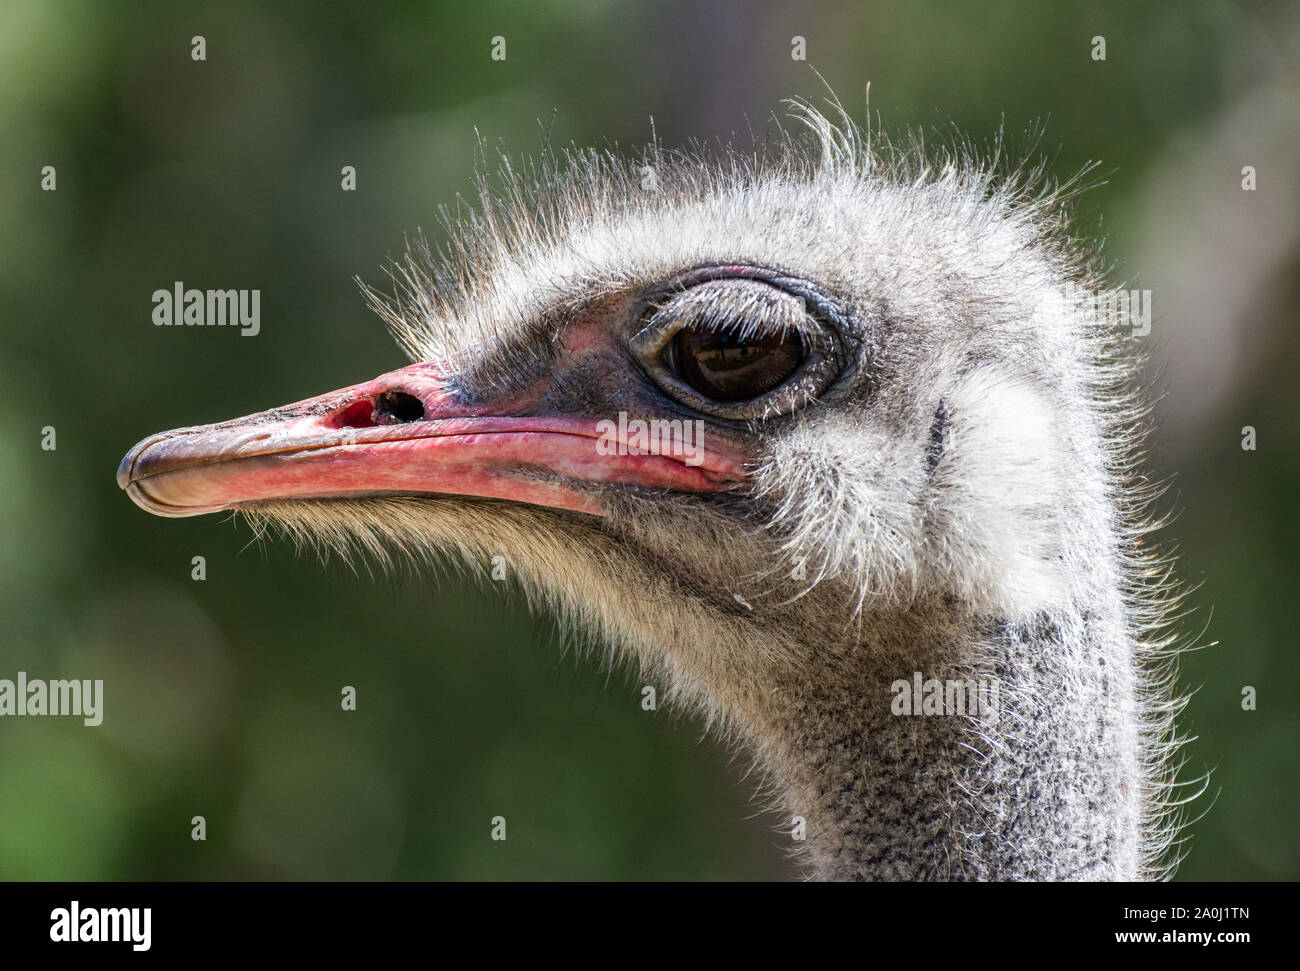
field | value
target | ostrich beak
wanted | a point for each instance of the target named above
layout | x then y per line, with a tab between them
407	433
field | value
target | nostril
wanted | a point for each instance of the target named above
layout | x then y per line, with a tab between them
359	414
397	408
386	408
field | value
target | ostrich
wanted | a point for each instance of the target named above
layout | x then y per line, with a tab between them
795	430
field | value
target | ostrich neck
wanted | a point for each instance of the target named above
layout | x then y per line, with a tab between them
1046	788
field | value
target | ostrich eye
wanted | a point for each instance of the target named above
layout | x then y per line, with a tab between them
742	347
725	365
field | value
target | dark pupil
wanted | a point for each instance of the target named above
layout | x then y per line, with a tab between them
725	366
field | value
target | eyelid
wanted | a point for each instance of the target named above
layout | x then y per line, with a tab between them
666	312
664	322
663	313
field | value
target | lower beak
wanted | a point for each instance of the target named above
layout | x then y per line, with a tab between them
406	433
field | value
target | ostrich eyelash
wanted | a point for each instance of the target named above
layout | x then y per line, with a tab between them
750	305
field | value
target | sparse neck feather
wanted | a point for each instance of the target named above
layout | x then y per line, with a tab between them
889	785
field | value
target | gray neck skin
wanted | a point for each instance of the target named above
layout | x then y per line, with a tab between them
1049	791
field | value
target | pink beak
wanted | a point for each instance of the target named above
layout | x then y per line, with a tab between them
405	433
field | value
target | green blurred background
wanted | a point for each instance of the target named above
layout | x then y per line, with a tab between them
222	696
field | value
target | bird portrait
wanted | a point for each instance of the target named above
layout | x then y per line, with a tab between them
472	464
783	428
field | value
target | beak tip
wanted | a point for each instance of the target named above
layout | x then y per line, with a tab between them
127	468
141	498
124	469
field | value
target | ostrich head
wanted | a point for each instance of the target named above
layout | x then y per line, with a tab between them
790	430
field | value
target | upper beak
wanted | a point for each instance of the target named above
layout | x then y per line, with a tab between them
407	432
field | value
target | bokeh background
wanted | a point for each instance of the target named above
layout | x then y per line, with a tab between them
222	696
